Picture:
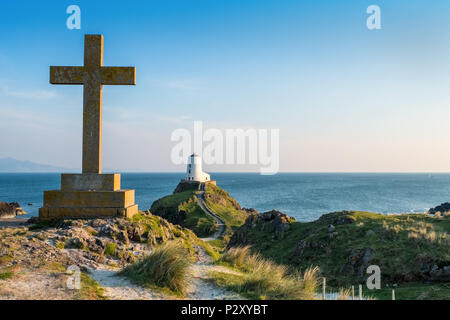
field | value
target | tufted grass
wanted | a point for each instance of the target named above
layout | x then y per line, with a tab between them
263	279
166	267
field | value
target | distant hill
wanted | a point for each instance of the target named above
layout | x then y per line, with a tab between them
13	165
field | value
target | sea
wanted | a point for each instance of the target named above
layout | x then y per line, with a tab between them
305	196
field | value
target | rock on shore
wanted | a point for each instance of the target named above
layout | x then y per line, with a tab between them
10	210
443	208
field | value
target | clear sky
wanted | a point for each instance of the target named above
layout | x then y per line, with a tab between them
344	98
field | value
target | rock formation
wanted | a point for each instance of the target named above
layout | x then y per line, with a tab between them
442	208
10	210
274	221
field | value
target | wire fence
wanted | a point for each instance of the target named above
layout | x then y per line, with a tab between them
356	292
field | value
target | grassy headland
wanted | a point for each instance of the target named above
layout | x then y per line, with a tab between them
410	249
183	208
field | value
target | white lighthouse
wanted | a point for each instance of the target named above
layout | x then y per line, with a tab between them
194	170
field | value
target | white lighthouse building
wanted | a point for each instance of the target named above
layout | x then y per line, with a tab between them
194	170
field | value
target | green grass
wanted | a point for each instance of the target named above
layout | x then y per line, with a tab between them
52	267
6	275
168	206
183	209
220	244
198	221
6	259
150	223
90	289
156	225
111	249
166	267
227	208
400	245
414	291
263	279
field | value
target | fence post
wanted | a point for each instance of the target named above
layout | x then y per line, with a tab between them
393	294
353	292
324	288
360	292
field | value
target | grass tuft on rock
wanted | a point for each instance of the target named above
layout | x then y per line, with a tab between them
111	249
167	266
6	275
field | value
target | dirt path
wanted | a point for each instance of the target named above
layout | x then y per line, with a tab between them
34	268
35	286
118	288
201	288
220	222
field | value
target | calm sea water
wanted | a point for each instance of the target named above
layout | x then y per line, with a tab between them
305	196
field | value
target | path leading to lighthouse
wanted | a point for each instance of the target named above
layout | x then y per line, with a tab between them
220	222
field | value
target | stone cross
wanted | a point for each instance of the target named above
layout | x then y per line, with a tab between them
93	76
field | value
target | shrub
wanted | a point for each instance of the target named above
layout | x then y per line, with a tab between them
110	249
167	266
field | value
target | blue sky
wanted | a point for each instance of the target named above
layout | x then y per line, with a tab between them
345	98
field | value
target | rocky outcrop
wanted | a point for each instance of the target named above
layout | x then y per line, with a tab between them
187	186
337	218
304	245
109	241
10	210
275	222
357	262
435	273
250	210
442	208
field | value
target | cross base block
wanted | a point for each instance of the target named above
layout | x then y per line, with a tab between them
90	181
87	204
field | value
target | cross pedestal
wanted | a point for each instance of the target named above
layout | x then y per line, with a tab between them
90	194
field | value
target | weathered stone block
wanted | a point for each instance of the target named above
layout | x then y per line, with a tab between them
88	199
90	181
47	213
87	204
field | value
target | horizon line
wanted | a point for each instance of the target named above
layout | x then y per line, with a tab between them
239	172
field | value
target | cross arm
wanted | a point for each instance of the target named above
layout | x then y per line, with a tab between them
66	75
118	75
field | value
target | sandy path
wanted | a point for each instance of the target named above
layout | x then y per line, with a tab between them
35	286
118	288
201	288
